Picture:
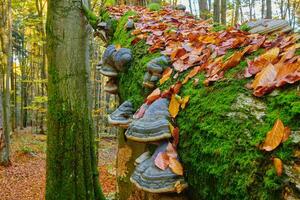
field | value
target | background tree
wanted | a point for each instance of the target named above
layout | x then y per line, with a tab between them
216	14
71	161
223	11
269	9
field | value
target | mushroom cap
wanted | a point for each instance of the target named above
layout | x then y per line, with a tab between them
130	24
122	115
150	178
107	57
157	65
108	71
180	7
121	58
264	26
154	125
111	87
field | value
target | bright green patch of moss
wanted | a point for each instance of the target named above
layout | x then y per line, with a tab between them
154	7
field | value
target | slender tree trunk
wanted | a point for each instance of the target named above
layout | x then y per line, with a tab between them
6	46
190	6
241	14
236	13
250	10
262	9
203	9
209	5
216	15
71	158
269	9
223	12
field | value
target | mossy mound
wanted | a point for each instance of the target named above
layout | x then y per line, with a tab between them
221	128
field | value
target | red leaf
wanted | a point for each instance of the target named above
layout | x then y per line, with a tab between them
162	160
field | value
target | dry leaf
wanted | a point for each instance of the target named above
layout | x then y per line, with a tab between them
287	133
175	135
179	187
118	46
162	160
166	75
278	166
191	74
174	106
153	96
176	166
185	100
274	137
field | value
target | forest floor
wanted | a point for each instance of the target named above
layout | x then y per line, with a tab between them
25	178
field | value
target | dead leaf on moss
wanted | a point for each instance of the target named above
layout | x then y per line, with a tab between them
278	166
176	166
274	137
174	106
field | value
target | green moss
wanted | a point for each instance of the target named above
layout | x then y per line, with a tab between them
154	7
219	140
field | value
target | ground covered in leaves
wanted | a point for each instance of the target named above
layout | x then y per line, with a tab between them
25	178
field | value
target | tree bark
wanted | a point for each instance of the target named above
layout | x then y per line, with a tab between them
262	9
216	15
71	158
223	12
236	13
6	46
269	9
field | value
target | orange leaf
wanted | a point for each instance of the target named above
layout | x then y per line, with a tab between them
185	100
192	73
287	133
278	166
174	106
271	54
166	75
118	46
176	166
176	88
162	160
153	96
274	137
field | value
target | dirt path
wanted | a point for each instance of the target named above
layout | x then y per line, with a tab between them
25	178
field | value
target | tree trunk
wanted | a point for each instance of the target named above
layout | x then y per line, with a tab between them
71	158
203	9
223	12
262	9
236	13
190	6
217	11
269	9
6	45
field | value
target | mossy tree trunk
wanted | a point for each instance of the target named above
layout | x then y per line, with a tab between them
71	161
6	65
216	11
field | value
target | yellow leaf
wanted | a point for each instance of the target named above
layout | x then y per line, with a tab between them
171	127
166	75
274	137
176	166
278	166
185	100
174	106
118	46
271	54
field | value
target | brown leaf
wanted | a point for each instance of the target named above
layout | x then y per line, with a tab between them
174	106
278	166
286	135
191	74
166	75
176	88
162	161
175	135
274	137
176	166
153	96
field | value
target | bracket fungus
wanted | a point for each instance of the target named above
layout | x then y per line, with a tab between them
111	86
122	116
265	26
155	69
180	7
114	60
150	178
154	125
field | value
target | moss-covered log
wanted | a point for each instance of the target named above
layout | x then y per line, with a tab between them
221	128
71	159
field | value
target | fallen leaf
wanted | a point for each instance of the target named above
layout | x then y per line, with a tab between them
175	135
179	187
118	46
191	74
176	166
185	100
174	106
162	161
278	166
153	96
274	137
176	88
286	135
166	75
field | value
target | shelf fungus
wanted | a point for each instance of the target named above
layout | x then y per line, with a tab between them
111	86
155	69
148	177
154	124
122	116
265	26
180	7
114	60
